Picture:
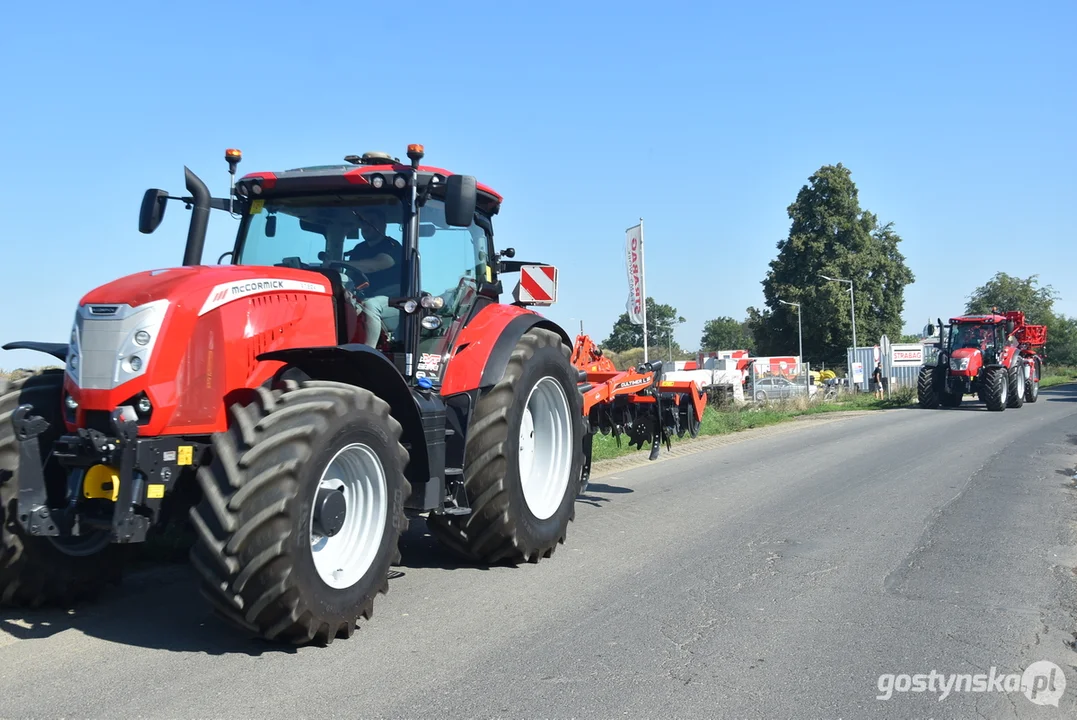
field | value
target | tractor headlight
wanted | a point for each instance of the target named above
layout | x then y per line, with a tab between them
73	351
134	353
959	363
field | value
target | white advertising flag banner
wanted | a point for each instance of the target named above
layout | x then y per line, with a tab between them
634	263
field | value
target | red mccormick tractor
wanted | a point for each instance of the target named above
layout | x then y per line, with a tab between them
349	366
995	357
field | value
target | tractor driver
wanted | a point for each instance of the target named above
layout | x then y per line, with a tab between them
380	257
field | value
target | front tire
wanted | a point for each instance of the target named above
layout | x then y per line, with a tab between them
523	459
38	571
927	394
279	553
996	389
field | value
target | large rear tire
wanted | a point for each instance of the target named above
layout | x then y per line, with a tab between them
523	459
996	389
266	549
38	571
1032	386
927	395
1016	380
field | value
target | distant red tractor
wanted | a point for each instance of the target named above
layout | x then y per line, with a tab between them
995	357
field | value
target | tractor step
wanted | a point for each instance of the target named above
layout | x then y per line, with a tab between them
456	504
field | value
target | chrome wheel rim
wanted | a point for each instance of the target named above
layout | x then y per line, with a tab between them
545	448
344	558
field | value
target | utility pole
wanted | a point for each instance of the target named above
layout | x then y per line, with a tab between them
800	342
852	310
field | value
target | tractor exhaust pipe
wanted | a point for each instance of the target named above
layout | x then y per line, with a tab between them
196	233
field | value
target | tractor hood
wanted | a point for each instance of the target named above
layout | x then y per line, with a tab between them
203	287
965	361
180	339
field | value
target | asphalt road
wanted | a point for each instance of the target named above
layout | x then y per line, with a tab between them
776	577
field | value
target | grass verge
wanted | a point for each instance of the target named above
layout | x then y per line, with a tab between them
730	420
1057	375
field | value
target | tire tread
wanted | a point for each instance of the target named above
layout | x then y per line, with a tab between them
242	551
490	534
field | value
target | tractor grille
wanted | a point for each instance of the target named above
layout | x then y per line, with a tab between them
104	338
100	342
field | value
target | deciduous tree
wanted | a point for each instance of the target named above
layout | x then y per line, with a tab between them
725	333
662	321
1007	292
832	235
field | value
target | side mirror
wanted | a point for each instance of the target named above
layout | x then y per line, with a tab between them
930	330
271	226
153	211
461	197
1010	327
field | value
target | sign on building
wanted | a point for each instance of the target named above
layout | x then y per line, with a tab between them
907	354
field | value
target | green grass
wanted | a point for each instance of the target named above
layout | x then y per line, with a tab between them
1057	375
731	420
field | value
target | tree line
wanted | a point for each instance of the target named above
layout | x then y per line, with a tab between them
831	239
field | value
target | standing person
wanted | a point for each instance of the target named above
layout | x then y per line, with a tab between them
877	380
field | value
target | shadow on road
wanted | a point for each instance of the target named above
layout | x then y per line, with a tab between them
603	488
1060	393
160	607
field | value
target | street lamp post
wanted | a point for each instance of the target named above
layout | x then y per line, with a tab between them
852	309
800	343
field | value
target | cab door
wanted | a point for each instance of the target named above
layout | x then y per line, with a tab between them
453	261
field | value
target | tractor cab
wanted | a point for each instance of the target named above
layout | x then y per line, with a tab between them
407	249
975	342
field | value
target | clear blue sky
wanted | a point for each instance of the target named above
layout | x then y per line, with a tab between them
958	121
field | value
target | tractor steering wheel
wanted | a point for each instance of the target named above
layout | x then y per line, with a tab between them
360	282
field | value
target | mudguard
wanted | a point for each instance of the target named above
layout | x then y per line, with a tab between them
482	350
365	367
57	350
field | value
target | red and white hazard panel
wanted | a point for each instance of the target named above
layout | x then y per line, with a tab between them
537	286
